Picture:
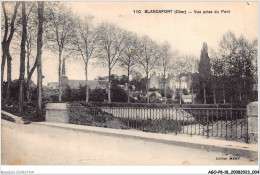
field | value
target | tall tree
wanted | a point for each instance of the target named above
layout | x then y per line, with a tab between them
111	48
30	46
244	68
166	59
147	57
238	54
128	60
39	56
22	59
31	38
217	71
59	34
86	40
204	69
8	36
227	49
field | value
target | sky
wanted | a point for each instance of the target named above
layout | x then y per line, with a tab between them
185	32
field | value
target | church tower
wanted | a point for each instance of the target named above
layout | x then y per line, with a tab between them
64	78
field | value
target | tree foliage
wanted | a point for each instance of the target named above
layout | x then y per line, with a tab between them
234	67
204	70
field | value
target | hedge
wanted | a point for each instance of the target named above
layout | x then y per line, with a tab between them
155	105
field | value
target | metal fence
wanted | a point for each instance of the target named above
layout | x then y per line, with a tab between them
229	123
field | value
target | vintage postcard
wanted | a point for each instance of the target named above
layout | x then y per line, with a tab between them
129	83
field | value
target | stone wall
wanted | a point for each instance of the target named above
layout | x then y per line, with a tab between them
252	113
57	112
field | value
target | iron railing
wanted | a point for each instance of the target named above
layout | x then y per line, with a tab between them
228	123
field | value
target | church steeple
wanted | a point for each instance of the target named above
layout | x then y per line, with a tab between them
64	78
63	72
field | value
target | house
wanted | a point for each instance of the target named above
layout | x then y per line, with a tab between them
173	82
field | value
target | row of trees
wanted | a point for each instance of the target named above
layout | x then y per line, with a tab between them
50	26
69	36
108	45
17	15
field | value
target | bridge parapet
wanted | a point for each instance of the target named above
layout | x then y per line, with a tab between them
252	113
57	112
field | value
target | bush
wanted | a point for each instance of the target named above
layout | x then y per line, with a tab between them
169	92
154	105
14	90
93	116
66	95
118	94
158	126
30	111
54	98
98	95
163	126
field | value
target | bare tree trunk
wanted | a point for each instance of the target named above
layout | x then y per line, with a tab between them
128	88
192	96
2	75
9	76
5	45
180	90
39	57
204	94
164	83
109	85
28	87
3	66
22	60
147	88
60	92
87	89
29	77
28	90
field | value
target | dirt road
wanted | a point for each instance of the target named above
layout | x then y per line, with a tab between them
42	145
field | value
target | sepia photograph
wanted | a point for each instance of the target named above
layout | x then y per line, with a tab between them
129	83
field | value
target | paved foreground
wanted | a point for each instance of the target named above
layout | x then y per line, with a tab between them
35	144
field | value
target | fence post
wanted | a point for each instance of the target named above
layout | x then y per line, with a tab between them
128	117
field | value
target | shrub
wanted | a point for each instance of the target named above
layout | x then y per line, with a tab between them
54	98
118	94
30	111
163	126
66	94
93	117
98	95
14	90
158	126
